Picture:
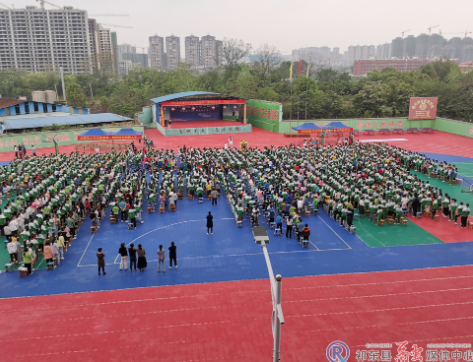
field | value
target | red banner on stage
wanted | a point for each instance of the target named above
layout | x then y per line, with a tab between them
192	103
423	108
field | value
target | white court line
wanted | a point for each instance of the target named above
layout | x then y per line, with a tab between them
78	264
244	280
232	255
116	261
390	324
377	295
384	140
334	232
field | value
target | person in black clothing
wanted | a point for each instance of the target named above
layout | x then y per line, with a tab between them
415	205
132	253
124	256
172	255
210	223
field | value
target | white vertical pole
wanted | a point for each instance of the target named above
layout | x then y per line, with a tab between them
277	324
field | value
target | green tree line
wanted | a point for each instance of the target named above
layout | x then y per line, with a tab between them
325	93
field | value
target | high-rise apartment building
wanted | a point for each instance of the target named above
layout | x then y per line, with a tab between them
140	60
173	51
102	52
114	39
156	52
125	48
45	39
192	50
219	52
409	47
124	66
208	51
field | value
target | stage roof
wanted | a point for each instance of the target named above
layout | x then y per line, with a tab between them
194	95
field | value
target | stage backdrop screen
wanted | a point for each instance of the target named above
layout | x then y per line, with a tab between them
423	108
199	113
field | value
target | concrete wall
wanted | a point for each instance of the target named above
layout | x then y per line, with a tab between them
146	117
454	127
439	124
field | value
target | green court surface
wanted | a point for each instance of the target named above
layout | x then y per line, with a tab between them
465	168
5	258
454	191
392	235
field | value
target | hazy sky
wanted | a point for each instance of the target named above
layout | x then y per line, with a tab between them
286	24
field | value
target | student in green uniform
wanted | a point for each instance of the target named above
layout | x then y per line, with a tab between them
464	215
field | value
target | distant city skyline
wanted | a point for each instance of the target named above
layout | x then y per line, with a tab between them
287	26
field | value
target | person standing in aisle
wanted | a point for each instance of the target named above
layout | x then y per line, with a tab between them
464	215
124	255
161	258
142	262
101	261
172	255
210	223
28	259
214	195
289	227
132	253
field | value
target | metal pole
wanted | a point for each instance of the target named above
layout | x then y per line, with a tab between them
277	317
277	326
63	85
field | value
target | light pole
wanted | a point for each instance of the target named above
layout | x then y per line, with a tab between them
260	234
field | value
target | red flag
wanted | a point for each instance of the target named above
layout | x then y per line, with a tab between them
299	70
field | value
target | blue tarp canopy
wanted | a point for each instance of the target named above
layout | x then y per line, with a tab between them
94	132
128	132
339	126
306	127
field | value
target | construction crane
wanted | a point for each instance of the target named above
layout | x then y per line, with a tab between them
42	2
117	26
430	29
405	31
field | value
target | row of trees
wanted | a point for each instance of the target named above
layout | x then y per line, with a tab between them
325	93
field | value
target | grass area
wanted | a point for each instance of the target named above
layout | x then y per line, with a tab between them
392	235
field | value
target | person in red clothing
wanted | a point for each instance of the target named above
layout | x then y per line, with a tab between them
87	206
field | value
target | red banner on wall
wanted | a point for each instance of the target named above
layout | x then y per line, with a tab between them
192	103
423	108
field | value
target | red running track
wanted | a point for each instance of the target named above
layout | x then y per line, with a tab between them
436	142
231	321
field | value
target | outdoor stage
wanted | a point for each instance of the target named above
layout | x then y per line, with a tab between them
204	123
200	113
204	127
